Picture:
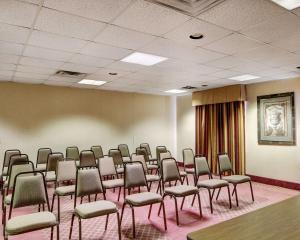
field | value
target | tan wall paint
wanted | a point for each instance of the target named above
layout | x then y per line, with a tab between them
33	116
277	162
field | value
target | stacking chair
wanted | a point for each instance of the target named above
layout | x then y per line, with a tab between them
42	157
66	171
150	163
202	168
118	160
30	189
134	176
124	152
159	150
15	159
87	159
7	155
97	151
148	149
188	160
170	172
73	153
88	181
108	170
52	161
226	167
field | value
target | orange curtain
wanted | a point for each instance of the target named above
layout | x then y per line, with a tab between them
221	128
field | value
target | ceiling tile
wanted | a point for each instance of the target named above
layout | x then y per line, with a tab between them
37	62
57	83
225	74
63	79
89	60
233	43
297	11
124	38
68	25
239	14
105	51
33	76
7	58
38	70
150	18
78	68
104	10
225	62
5	78
6	73
44	53
211	33
53	41
126	66
290	42
11	48
17	13
8	66
12	33
37	2
107	70
27	80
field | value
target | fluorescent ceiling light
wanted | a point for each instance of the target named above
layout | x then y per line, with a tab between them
143	59
288	4
91	82
244	77
175	91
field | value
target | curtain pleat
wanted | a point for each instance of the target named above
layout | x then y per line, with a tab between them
221	128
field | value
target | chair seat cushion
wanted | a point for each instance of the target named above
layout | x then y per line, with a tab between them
213	183
190	170
30	222
113	183
236	179
181	190
152	178
126	159
65	190
120	170
50	176
7	199
142	199
152	166
95	209
182	173
41	167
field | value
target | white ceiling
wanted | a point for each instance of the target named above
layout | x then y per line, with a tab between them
39	37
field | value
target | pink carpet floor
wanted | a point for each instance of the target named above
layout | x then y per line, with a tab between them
153	229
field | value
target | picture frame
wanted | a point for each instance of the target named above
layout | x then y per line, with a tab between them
276	119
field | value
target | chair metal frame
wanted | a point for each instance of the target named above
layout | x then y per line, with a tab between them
4	160
77	150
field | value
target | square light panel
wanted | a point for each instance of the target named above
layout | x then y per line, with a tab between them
175	91
143	59
244	77
92	82
288	4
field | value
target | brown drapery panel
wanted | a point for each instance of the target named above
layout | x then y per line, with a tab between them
221	128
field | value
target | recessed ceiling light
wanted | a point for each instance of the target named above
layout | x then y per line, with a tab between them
244	77
113	73
143	59
288	4
298	67
92	82
175	91
196	36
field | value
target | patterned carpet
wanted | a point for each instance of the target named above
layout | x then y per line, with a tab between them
153	228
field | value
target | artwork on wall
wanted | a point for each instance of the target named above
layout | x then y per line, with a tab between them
276	119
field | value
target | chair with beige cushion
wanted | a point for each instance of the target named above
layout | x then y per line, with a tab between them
15	159
42	157
134	177
170	172
65	172
151	165
30	189
73	153
152	159
118	160
51	166
108	170
159	150
97	151
201	169
7	155
88	182
226	167
87	159
188	160
124	152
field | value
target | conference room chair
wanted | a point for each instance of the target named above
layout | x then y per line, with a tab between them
159	150
73	153
109	174
65	172
152	159
87	159
151	165
134	177
188	160
7	155
42	157
29	190
51	166
201	169
88	182
225	166
97	151
118	160
170	172
124	152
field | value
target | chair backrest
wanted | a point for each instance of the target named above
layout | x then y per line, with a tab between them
15	169
42	155
166	154
159	150
201	166
116	155
224	163
8	154
188	156
97	151
142	151
140	158
170	170
66	171
53	159
15	159
87	159
134	175
29	189
107	166
124	150
72	152
147	147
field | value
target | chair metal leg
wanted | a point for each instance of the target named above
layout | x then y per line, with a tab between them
164	213
57	232
149	214
176	209
251	191
229	197
122	212
182	203
89	197
133	221
119	225
199	202
52	204
236	196
58	207
193	200
51	236
119	194
218	193
71	228
187	180
106	222
80	230
161	205
95	197
210	201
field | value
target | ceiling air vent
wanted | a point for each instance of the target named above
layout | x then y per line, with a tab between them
188	87
64	73
189	7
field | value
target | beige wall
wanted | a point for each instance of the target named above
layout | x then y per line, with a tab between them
185	124
33	116
277	162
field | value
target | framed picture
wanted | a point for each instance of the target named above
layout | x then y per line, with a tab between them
276	119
